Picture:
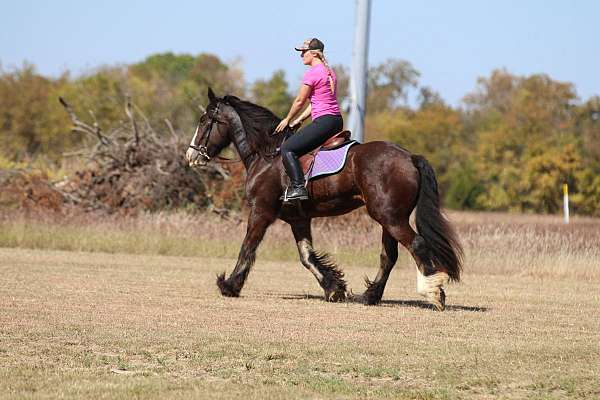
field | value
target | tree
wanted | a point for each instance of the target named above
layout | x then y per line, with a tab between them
429	97
166	85
170	67
526	139
29	123
273	93
343	86
174	85
588	127
388	84
435	131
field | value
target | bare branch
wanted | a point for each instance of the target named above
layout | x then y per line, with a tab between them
146	120
80	126
170	126
133	123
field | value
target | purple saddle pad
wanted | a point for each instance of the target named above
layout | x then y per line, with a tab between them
328	162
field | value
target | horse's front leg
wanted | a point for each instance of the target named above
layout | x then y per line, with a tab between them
258	222
329	276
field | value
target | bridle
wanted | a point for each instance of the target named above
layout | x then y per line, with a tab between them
203	148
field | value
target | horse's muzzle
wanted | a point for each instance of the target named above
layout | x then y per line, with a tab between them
195	158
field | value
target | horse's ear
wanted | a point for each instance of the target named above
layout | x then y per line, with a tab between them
211	96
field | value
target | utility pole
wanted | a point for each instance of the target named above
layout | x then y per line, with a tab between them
358	74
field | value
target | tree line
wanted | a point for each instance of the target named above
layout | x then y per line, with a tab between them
510	145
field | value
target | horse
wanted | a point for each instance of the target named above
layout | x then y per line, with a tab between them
384	177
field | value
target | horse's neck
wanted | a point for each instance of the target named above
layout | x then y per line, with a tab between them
240	140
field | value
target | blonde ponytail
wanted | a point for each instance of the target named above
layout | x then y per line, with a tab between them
321	56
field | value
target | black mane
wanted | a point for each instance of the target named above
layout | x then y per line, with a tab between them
259	124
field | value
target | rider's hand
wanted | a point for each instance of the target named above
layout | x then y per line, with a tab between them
282	125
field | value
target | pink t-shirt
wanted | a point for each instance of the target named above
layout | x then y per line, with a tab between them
322	101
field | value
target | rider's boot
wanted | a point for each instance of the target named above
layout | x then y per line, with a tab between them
296	190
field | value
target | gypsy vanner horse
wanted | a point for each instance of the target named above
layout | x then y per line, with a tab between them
382	176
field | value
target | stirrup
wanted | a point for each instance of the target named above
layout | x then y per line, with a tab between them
300	196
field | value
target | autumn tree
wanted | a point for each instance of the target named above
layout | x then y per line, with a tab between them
29	122
389	83
173	86
526	140
273	93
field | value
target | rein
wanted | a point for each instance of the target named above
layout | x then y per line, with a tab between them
277	151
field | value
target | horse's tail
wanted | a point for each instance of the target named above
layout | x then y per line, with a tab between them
444	252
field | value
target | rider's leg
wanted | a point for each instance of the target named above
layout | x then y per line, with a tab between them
293	169
305	140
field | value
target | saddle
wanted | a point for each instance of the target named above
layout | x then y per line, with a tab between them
307	160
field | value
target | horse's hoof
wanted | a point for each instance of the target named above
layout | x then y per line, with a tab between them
340	296
438	301
336	296
351	297
226	288
368	300
371	296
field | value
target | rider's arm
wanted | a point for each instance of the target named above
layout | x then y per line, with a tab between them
305	114
297	105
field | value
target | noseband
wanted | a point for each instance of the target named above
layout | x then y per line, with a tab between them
203	148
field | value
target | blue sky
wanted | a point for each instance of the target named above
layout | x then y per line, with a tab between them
451	43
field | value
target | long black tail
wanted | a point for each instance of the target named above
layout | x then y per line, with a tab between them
444	250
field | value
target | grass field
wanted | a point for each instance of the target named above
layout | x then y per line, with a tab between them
99	323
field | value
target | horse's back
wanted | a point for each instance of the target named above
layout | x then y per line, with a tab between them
383	158
380	175
384	172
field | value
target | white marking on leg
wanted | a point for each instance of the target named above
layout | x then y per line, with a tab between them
428	285
305	250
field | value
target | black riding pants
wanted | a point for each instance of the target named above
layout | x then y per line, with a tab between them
306	140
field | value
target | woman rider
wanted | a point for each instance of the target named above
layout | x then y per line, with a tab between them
318	85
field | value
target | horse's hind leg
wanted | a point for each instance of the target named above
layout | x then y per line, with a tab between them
322	267
388	257
430	282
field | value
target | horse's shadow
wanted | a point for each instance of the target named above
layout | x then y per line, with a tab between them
390	303
424	304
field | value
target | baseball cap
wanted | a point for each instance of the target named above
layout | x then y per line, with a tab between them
311	44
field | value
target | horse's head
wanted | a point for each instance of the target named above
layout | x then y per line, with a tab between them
212	133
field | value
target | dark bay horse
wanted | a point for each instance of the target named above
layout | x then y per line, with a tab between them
382	176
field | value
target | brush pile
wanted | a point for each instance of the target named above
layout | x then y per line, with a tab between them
133	168
128	169
28	191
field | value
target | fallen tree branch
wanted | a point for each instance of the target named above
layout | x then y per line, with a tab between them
132	120
131	167
80	126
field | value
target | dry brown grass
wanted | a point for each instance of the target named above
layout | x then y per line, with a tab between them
495	243
522	324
